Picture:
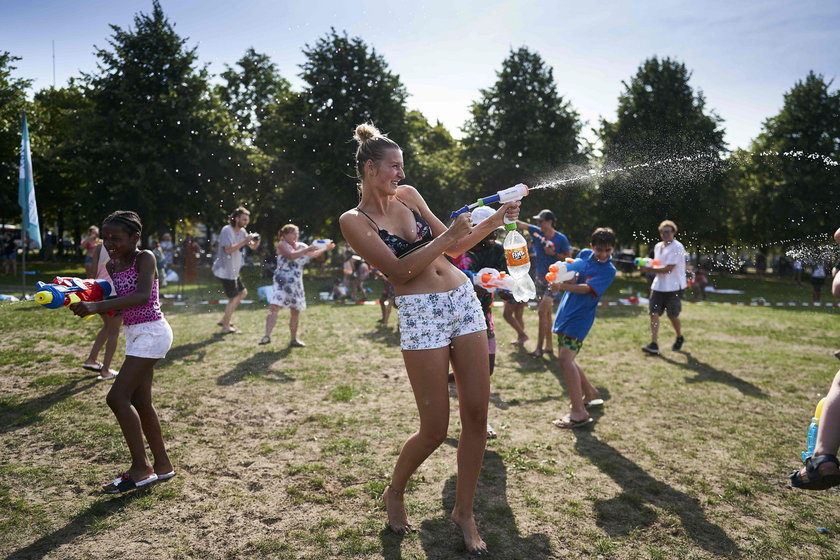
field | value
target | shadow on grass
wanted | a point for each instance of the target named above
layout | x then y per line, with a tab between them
622	311
386	335
79	525
259	366
14	416
190	353
497	524
526	363
391	544
630	510
706	373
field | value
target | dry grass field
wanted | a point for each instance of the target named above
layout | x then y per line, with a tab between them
283	452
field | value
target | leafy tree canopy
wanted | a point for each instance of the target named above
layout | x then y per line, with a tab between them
660	116
520	128
347	83
249	88
12	102
161	142
790	182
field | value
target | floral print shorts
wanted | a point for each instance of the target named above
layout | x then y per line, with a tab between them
432	320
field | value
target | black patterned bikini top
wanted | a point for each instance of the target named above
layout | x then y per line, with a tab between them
399	246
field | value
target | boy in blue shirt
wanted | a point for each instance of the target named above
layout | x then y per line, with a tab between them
575	317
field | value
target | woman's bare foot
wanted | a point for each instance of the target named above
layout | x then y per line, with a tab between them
395	506
593	397
473	541
520	342
163	467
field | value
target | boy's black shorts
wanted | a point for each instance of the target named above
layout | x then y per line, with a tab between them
666	301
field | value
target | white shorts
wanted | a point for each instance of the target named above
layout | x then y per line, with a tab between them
433	320
148	340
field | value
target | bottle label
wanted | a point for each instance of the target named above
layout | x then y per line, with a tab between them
517	256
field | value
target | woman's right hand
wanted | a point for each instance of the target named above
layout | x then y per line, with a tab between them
460	228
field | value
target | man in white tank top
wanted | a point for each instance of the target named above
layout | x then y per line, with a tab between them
669	285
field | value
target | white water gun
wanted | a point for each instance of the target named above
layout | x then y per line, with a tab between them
512	194
559	272
491	279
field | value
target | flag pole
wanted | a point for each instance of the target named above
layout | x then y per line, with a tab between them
23	222
23	267
30	232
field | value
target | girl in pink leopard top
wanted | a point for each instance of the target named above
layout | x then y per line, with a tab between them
147	339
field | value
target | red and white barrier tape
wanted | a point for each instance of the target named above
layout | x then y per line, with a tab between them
533	304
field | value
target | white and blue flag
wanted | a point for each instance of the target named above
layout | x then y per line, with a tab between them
26	191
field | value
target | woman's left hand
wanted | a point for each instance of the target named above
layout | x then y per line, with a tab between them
510	211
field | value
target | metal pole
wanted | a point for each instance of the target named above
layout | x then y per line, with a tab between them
23	275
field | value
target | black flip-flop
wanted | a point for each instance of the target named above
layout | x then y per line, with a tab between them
92	367
124	483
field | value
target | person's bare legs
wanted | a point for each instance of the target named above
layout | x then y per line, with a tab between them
98	342
133	374
590	391
427	371
231	306
544	334
654	326
828	436
573	381
142	402
513	315
472	379
675	321
271	319
294	321
385	306
112	329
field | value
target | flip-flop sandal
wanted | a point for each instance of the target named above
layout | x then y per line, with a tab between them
167	476
92	367
568	423
231	331
124	483
813	479
594	403
112	374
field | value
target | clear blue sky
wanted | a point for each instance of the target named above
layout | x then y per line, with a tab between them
744	55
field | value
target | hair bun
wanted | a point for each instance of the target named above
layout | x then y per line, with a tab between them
365	132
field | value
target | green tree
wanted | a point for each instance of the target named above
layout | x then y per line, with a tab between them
435	165
160	142
522	131
59	156
788	185
12	103
309	133
667	149
250	87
